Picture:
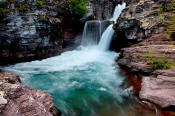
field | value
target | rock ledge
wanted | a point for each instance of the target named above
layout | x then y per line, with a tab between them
19	100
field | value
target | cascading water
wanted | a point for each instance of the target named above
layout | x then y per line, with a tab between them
83	82
93	31
106	38
109	32
117	12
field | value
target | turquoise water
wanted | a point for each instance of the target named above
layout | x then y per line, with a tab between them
83	82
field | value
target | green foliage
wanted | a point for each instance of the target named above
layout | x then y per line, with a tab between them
3	12
3	9
2	90
23	8
2	4
171	21
158	62
12	1
40	3
160	11
79	7
171	25
42	17
75	7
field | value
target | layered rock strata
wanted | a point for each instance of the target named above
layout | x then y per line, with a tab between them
19	100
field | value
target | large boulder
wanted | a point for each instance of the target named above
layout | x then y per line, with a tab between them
19	100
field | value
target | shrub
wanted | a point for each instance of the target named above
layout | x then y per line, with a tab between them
2	90
75	7
23	8
160	11
40	3
2	4
171	21
79	7
42	17
171	25
3	12
158	62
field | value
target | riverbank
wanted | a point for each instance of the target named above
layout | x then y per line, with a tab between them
148	53
19	100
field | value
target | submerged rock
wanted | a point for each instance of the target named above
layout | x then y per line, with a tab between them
19	100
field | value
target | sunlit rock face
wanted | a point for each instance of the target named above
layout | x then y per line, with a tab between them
154	89
19	100
155	82
29	32
140	20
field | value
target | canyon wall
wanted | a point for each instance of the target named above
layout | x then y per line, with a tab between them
149	49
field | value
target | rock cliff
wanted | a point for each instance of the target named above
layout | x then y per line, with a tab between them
19	100
33	30
138	21
150	51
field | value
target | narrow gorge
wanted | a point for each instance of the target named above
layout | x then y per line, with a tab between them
87	58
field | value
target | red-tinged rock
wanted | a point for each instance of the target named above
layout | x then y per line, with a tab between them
19	100
165	72
135	58
159	90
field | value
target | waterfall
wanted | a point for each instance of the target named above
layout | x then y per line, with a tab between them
91	33
117	12
97	30
107	36
83	82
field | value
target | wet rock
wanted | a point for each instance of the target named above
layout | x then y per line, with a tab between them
19	100
103	9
